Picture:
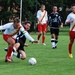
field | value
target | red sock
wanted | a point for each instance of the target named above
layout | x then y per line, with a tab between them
70	48
39	36
43	39
10	49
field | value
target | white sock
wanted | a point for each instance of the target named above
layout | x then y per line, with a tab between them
15	54
14	48
53	42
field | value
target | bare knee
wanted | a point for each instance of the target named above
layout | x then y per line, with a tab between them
23	54
23	57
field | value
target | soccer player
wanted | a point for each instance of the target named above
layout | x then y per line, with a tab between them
21	39
11	29
71	20
55	22
42	23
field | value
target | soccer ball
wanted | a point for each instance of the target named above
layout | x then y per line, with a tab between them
32	61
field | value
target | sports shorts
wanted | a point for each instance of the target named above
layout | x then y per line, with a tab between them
21	45
72	35
42	27
6	36
54	31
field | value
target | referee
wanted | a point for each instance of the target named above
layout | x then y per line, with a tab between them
55	21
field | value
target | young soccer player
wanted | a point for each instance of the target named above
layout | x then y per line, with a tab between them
71	20
42	23
11	29
55	22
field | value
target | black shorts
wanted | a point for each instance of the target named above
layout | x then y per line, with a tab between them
54	31
21	45
20	48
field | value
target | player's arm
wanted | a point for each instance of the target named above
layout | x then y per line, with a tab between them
27	35
68	20
38	16
5	26
26	45
46	17
61	25
60	21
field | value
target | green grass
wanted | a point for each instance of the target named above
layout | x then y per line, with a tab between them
49	61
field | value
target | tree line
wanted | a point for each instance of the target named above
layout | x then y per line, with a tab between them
11	8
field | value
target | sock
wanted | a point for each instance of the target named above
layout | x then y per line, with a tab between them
43	39
53	42
15	54
70	48
39	36
14	49
56	41
10	49
19	55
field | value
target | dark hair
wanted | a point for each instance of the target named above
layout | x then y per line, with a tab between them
72	5
27	22
16	20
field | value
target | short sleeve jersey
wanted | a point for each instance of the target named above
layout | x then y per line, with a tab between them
71	16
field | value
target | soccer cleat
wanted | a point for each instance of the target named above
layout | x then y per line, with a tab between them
44	44
8	59
70	55
6	49
55	46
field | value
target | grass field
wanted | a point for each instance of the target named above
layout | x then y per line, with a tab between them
49	61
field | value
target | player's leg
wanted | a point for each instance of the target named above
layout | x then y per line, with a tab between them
71	34
20	51
44	29
23	54
11	43
56	37
16	46
40	31
52	37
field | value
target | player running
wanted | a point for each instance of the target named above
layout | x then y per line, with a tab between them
55	22
9	35
71	20
42	23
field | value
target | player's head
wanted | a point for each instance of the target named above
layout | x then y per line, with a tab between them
73	8
42	7
16	23
27	25
55	9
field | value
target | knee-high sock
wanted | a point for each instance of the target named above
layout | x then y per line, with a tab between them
43	39
70	48
53	42
10	49
38	36
56	41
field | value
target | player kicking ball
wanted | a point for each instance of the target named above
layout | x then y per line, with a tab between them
71	20
21	39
